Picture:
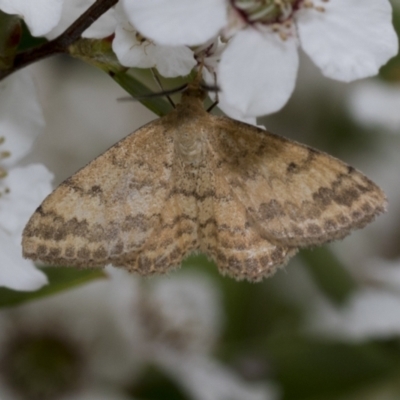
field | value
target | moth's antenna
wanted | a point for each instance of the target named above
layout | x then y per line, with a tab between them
209	109
157	79
157	94
209	88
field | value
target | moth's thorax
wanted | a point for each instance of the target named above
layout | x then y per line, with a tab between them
189	146
189	139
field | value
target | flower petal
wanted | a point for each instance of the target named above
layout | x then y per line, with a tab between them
170	61
21	118
257	72
15	272
370	313
41	16
27	186
129	50
72	9
189	308
376	104
205	379
352	39
177	22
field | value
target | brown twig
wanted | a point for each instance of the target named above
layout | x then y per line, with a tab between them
61	43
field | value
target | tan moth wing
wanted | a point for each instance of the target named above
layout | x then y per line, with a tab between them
117	210
192	181
294	195
226	233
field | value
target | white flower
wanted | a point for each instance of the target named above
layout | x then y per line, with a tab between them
189	312
177	22
25	188
133	50
181	319
369	313
376	104
40	15
372	312
79	334
347	40
21	188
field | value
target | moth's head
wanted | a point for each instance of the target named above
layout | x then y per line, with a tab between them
194	89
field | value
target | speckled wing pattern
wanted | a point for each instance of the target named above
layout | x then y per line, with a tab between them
295	195
117	210
273	196
191	182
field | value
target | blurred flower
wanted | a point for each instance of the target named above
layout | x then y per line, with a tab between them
371	313
181	319
21	188
346	39
99	337
182	313
40	15
376	103
69	346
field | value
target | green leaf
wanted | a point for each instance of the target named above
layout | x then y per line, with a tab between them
60	278
97	52
329	274
154	385
137	90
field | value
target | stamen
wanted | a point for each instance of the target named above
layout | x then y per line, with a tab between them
244	5
276	28
284	36
3	172
4	154
276	14
264	11
310	4
288	24
286	9
261	13
140	38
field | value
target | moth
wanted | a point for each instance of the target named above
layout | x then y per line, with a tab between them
195	182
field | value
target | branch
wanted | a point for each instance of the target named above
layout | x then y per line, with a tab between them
61	43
